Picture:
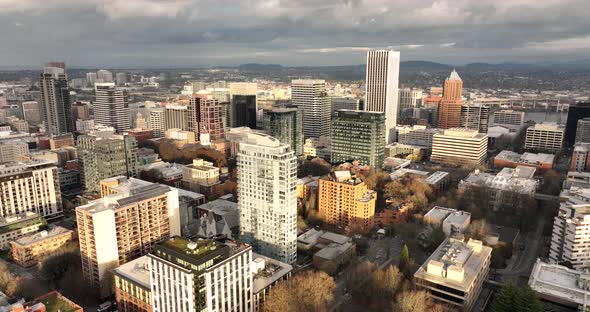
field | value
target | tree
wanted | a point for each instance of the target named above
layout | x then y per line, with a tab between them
377	179
479	229
312	168
510	298
404	258
308	292
415	301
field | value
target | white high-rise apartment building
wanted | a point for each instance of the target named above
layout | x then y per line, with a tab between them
311	96
104	75
382	87
571	229
31	186
157	122
267	199
111	106
203	275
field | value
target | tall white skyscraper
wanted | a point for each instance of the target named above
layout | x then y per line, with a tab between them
267	199
104	75
111	106
382	87
311	96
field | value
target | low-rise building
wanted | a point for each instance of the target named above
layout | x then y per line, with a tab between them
330	250
133	287
577	179
510	159
317	148
561	285
438	181
28	250
184	137
455	272
15	227
503	186
266	273
453	221
219	217
580	158
201	177
50	302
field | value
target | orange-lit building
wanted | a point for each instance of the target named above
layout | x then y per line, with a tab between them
346	203
449	109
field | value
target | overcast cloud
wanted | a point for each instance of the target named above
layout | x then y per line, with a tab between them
136	33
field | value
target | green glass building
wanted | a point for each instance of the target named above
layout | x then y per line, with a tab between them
358	135
285	124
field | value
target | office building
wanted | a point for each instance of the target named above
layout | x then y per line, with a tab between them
358	135
133	286
29	250
267	199
31	112
310	96
575	112
206	114
176	117
449	108
126	223
580	158
510	119
13	150
452	221
408	100
340	102
80	111
417	135
382	82
475	116
111	106
285	124
583	130
104	75
346	203
55	105
561	285
242	108
571	229
105	155
510	159
544	137
30	186
91	79
121	79
157	122
455	272
459	146
203	275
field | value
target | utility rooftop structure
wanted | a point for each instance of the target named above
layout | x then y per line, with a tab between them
455	272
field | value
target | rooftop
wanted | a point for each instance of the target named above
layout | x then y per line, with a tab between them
559	282
136	271
267	271
220	206
55	302
525	158
436	177
194	249
333	250
462	133
551	126
455	263
518	179
18	222
41	236
454	75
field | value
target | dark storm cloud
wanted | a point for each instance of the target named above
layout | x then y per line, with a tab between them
212	32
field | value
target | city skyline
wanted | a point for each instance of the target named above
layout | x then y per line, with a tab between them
144	33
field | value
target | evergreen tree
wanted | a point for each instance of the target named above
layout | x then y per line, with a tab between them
528	301
504	300
513	299
404	258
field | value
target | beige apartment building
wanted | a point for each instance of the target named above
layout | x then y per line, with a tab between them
28	250
125	224
346	203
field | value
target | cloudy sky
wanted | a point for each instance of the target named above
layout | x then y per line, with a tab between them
137	33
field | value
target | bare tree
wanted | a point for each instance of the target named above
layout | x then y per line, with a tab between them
306	292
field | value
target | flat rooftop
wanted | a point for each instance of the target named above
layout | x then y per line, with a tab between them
43	235
455	264
556	281
272	271
196	249
220	206
137	271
